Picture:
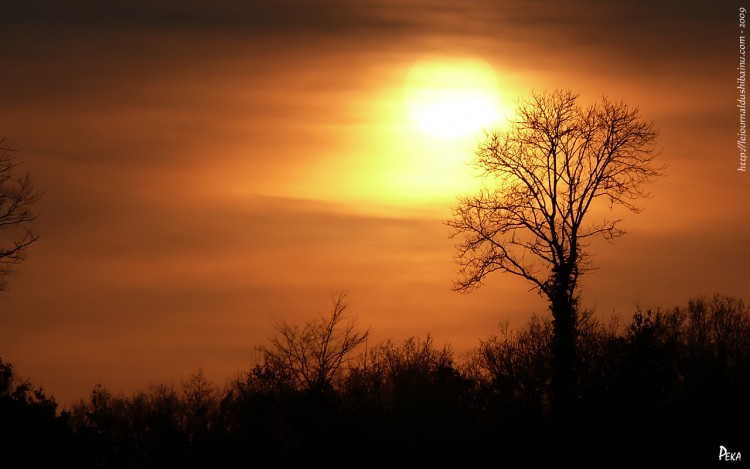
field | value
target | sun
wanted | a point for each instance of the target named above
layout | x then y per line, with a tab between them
451	98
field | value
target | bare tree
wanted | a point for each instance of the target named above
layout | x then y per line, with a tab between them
312	357
17	196
200	405
557	161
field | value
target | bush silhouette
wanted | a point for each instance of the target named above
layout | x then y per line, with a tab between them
665	388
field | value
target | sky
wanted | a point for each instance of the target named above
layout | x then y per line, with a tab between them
208	169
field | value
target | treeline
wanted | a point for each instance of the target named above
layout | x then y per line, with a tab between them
667	388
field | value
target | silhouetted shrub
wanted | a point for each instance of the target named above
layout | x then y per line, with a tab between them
666	389
31	434
409	399
511	371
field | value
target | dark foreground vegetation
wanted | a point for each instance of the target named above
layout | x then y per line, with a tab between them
666	388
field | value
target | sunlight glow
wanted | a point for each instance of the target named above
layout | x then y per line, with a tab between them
451	98
410	147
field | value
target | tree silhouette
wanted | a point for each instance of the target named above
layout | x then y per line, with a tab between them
550	169
17	196
656	392
311	358
31	435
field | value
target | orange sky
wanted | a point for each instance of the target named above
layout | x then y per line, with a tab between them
209	169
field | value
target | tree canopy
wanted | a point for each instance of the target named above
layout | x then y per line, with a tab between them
535	219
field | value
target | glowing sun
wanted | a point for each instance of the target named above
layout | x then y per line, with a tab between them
451	98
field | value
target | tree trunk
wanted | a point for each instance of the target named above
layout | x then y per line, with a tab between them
563	307
563	353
